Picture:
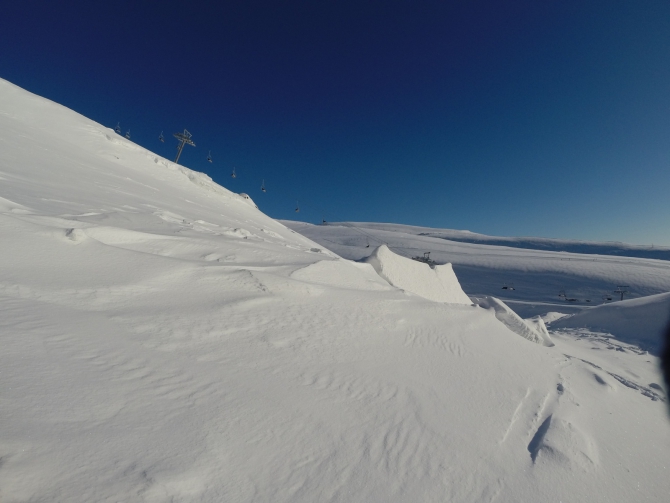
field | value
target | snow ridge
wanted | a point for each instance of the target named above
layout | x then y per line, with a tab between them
438	283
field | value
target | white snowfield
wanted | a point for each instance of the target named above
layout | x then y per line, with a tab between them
528	281
538	276
636	320
163	340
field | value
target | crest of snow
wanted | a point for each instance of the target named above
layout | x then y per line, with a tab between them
537	324
552	316
438	284
640	320
248	199
514	322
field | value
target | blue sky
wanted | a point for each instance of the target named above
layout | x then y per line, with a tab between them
519	118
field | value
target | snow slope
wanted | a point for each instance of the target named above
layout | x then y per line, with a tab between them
163	340
639	321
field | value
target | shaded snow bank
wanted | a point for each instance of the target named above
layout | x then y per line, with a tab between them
640	321
534	329
438	283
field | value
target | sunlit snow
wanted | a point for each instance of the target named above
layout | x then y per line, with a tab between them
164	340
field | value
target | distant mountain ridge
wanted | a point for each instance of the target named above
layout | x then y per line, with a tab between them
531	243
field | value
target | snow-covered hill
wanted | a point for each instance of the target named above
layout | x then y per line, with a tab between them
530	280
163	340
533	243
635	320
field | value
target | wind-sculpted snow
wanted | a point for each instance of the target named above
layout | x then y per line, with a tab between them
531	330
530	281
639	321
438	284
164	340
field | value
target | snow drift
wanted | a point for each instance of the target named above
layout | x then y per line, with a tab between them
535	330
640	321
437	283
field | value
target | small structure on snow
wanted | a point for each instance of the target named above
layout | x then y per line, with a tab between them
425	259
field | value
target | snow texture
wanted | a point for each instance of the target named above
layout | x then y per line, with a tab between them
164	340
535	330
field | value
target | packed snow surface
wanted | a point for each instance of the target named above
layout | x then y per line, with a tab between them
164	340
438	283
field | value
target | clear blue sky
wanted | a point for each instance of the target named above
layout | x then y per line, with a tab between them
521	118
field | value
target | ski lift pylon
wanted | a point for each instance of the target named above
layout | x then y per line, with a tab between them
118	128
128	134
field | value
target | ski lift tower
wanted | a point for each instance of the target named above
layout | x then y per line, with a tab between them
621	290
185	139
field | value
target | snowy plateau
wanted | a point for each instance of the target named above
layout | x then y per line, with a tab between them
161	339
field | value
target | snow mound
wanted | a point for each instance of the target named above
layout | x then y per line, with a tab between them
639	321
560	442
527	330
341	274
76	235
552	316
537	323
438	284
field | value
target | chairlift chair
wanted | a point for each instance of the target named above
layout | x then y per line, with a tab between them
161	138
263	186
508	287
297	207
209	157
233	175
